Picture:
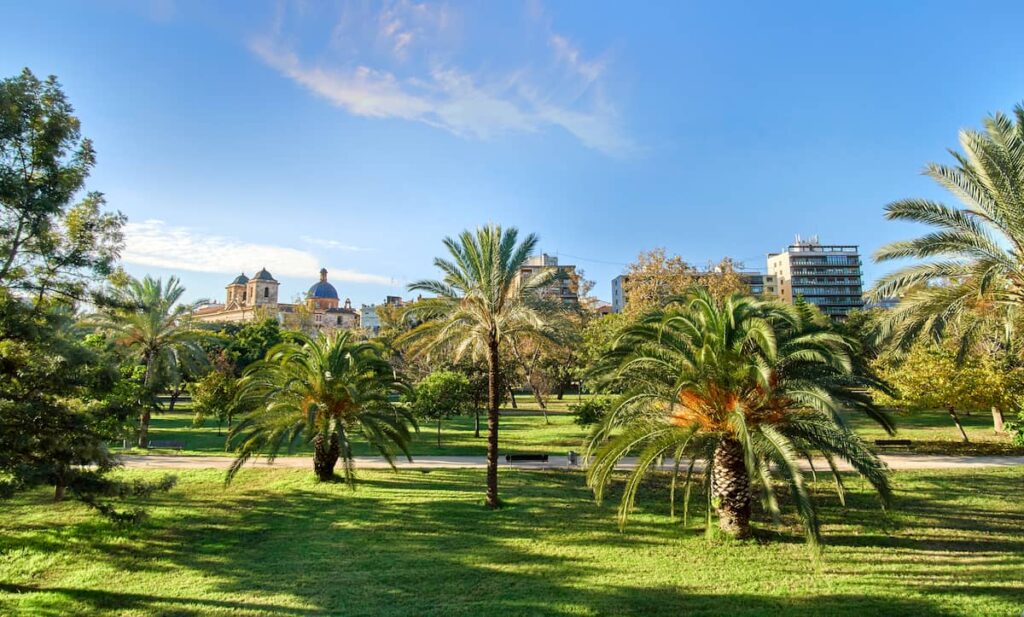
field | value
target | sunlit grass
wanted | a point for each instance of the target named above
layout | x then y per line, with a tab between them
414	543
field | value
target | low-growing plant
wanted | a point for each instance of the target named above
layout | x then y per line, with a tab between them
591	411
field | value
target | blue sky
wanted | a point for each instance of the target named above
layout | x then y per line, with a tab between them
295	135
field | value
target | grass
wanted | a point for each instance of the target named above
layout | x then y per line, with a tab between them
519	433
525	430
413	543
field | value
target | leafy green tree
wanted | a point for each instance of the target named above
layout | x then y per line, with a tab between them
971	283
441	395
61	401
750	386
216	394
934	376
152	327
480	306
323	390
47	244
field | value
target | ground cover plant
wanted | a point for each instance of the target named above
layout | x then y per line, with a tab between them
276	542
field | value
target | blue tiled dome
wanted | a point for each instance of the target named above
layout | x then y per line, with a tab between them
323	289
263	275
241	279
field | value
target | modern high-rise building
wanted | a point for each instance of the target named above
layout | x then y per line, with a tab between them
564	285
826	275
619	293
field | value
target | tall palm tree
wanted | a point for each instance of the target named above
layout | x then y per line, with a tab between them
323	391
147	320
973	278
482	305
748	385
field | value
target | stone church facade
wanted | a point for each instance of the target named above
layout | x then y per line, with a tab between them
249	299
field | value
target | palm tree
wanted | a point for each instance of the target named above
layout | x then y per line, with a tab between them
750	386
480	306
146	319
972	284
323	391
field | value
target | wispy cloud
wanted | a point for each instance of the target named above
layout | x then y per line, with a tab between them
555	86
157	244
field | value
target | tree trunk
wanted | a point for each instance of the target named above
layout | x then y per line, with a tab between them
175	395
476	421
147	413
512	397
438	432
730	486
956	421
997	420
493	380
58	491
325	456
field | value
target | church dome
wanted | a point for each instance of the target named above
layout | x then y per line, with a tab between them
263	275
323	289
241	279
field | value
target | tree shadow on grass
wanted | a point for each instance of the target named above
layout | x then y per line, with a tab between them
421	544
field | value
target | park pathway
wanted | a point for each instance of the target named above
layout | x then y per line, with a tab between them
894	461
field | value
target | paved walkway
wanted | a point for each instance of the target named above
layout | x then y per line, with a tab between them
895	461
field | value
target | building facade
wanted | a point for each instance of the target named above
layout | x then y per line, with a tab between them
826	275
619	293
369	318
249	299
565	284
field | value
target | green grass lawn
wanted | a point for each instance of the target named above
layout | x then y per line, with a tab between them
414	543
931	431
519	433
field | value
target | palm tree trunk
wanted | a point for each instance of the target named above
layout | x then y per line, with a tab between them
493	379
147	413
325	456
730	486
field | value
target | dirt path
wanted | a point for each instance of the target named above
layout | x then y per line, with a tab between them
895	461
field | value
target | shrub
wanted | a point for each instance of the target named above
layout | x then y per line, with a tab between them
1016	430
591	411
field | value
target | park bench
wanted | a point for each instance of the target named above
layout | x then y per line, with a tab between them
893	443
174	445
522	458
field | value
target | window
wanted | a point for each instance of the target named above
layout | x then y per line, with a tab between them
266	292
339	320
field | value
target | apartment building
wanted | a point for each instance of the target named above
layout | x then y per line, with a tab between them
826	275
564	286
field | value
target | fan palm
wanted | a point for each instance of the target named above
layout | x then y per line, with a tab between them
748	385
973	278
323	391
480	306
147	320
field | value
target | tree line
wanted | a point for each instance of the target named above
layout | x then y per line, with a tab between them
695	369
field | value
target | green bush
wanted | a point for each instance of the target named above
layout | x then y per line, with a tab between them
1016	430
591	411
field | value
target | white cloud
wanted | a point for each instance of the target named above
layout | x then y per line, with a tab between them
157	244
564	91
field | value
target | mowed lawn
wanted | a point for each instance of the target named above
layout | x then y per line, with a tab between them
932	432
519	433
414	543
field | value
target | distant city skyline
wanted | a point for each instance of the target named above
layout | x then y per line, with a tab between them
297	136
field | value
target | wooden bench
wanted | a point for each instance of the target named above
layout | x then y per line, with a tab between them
893	443
174	445
523	458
